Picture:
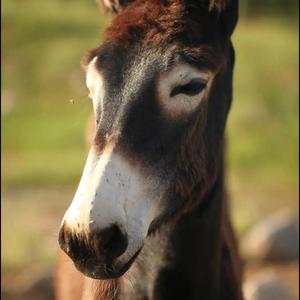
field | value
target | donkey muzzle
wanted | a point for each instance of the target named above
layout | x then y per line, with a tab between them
94	253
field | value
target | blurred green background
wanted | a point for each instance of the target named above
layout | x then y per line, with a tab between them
43	146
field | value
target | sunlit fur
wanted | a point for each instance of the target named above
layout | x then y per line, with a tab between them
189	250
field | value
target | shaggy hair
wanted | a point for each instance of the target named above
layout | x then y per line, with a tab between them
114	6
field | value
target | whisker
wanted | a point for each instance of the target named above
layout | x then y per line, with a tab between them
127	277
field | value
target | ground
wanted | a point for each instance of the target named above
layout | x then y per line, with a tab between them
288	272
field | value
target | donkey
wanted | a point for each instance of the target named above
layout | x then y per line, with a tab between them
150	219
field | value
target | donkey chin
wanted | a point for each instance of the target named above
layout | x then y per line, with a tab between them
105	227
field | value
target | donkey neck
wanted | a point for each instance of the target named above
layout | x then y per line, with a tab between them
182	260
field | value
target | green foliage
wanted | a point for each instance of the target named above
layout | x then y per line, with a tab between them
43	135
263	122
283	8
43	45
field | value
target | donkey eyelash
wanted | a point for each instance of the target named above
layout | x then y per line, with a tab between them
193	88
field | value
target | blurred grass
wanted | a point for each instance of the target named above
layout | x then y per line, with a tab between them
43	45
263	122
43	133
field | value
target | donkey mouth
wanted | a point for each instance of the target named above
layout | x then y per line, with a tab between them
99	270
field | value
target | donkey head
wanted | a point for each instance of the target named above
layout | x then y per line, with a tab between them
160	84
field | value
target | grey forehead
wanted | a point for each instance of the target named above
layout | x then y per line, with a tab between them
115	58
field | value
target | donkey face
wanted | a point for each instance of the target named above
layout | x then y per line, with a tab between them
155	85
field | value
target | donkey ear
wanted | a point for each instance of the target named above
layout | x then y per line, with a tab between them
114	6
227	11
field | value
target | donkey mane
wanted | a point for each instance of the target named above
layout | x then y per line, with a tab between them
114	6
164	21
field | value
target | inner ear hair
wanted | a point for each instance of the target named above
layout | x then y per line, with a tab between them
218	5
113	6
228	14
88	57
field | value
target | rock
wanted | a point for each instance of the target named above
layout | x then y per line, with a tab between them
7	295
274	239
40	289
7	102
266	286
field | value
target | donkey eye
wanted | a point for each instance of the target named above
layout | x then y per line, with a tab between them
192	88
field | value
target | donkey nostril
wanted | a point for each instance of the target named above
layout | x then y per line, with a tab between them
69	243
61	236
111	242
107	244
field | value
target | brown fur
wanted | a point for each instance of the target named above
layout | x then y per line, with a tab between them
114	6
161	21
156	22
70	284
68	281
233	265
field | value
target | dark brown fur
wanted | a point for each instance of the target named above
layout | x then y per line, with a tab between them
116	5
198	172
